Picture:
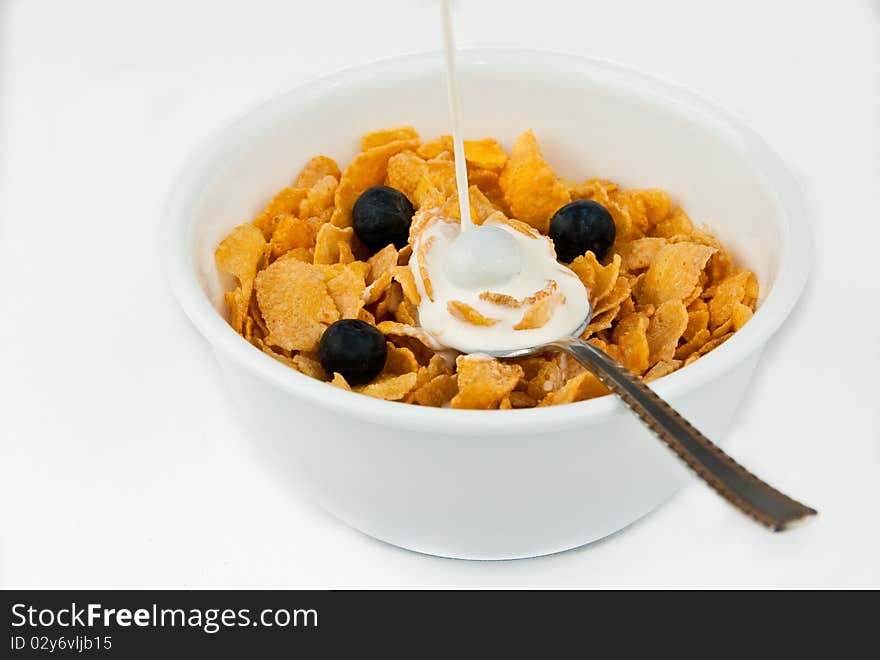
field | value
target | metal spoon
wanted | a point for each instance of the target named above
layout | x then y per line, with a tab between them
731	480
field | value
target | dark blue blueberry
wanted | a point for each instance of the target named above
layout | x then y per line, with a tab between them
580	226
354	349
382	215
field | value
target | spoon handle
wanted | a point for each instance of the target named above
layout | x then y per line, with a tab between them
731	480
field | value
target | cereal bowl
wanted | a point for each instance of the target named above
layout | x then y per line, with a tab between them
509	483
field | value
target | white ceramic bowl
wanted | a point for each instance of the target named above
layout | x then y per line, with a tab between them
501	484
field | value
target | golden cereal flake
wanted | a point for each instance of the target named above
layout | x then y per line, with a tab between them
500	299
593	189
481	208
378	288
741	315
436	147
676	223
399	360
240	255
309	365
286	202
468	314
320	197
630	335
549	378
601	321
487	183
674	273
540	313
404	275
333	245
661	369
395	329
531	189
618	295
421	258
346	287
509	301
389	386
438	391
295	304
426	195
293	232
442	174
486	154
407	313
386	135
405	171
599	280
389	305
639	254
483	382
665	329
577	388
728	294
692	345
384	260
698	318
315	170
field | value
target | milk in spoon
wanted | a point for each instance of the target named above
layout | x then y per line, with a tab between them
495	286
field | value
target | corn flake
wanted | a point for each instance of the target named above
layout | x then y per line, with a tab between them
434	148
319	198
468	314
674	273
315	170
293	232
631	337
483	382
400	360
728	294
531	189
381	262
286	202
486	154
639	254
599	280
346	287
384	136
240	255
665	329
295	304
309	365
438	391
538	314
389	387
404	276
333	245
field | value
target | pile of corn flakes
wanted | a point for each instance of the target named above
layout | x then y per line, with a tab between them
666	294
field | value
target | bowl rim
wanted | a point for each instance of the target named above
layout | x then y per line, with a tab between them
207	161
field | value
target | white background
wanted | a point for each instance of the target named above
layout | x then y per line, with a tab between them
123	462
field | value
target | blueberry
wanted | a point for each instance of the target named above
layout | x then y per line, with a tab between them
354	349
382	215
580	226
